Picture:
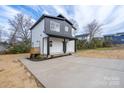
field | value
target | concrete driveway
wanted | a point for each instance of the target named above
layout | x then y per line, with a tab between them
75	71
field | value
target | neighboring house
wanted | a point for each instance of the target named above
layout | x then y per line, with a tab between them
83	37
117	38
52	35
98	38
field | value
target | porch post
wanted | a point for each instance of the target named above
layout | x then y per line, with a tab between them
64	46
75	46
48	46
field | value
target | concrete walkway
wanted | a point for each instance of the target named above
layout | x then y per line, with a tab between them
74	71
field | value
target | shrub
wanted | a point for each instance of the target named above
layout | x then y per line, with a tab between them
82	44
107	44
95	43
40	57
19	48
91	45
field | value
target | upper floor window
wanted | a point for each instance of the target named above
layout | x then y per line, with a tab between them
54	26
66	28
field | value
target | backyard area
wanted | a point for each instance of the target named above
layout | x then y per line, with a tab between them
14	74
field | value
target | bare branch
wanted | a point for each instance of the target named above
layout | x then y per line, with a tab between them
93	28
20	27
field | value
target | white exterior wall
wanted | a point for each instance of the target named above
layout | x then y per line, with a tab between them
39	40
70	46
57	46
38	35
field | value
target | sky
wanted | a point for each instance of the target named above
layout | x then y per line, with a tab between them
112	17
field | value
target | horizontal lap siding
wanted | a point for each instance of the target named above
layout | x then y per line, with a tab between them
57	46
37	36
70	46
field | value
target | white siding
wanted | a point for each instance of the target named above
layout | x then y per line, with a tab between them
57	46
73	32
39	40
37	35
71	46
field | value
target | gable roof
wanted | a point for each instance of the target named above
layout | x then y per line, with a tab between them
59	17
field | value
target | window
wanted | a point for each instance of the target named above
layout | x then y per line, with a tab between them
66	28
54	26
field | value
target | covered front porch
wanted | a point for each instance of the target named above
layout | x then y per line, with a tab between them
54	46
59	45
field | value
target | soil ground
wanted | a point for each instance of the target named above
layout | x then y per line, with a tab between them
102	53
13	73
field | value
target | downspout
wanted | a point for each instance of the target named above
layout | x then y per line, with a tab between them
64	46
75	46
43	45
48	48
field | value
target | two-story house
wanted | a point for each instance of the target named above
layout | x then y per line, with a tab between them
52	35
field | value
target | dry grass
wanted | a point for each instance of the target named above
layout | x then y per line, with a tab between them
103	53
13	73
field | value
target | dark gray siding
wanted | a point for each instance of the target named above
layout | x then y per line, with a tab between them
62	28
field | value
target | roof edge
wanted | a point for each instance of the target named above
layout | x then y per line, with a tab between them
44	15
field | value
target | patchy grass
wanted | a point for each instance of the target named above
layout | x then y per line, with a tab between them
105	48
102	53
13	73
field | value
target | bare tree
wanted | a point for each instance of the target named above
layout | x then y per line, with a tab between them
93	29
1	32
75	24
20	28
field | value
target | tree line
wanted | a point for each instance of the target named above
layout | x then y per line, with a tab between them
19	39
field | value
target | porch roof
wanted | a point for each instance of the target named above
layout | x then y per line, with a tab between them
71	38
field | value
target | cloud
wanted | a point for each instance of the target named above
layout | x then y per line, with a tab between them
7	12
60	9
111	16
84	15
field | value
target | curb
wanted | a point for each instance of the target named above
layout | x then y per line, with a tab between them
39	84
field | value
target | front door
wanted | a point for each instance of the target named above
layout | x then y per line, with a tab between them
64	46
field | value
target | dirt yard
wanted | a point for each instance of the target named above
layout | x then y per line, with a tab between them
14	74
103	53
